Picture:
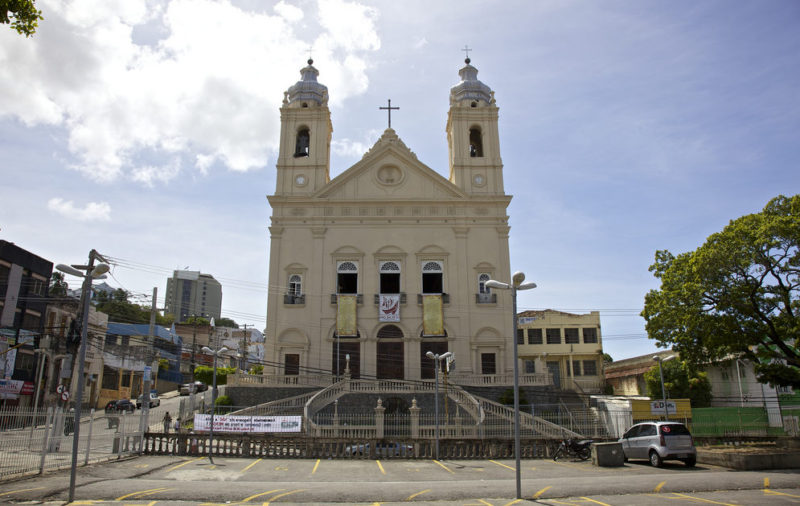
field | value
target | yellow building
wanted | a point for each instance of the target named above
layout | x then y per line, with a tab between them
387	261
568	346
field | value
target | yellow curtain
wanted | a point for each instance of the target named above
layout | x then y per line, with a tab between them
346	315
432	316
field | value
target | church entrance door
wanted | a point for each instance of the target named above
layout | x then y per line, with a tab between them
390	361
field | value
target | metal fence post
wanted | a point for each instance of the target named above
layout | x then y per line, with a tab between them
89	441
46	442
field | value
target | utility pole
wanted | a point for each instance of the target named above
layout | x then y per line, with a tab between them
194	342
243	348
148	371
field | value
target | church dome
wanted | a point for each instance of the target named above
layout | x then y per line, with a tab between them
307	88
470	88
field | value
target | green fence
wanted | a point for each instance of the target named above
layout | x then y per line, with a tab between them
727	422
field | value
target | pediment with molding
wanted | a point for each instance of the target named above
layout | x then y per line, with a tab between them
389	170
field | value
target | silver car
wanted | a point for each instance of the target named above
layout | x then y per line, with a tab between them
659	441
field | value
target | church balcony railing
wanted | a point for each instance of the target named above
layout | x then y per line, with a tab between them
401	294
291	299
533	379
286	380
486	298
335	297
445	297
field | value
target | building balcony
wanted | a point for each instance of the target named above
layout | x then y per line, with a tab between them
485	298
335	297
401	294
445	298
290	299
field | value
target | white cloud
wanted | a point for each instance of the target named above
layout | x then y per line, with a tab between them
93	211
355	148
421	43
208	90
289	12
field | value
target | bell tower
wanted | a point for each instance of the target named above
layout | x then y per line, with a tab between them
305	144
472	136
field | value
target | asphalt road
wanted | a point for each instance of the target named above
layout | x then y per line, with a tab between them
178	480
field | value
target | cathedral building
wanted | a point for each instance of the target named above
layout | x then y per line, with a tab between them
387	261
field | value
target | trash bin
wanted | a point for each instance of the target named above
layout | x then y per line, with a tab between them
608	455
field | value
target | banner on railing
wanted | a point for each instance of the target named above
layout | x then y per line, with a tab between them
235	423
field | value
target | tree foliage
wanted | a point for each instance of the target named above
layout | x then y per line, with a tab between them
120	310
58	287
22	15
736	295
206	374
226	322
198	320
680	382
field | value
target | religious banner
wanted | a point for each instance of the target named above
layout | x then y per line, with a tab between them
389	308
346	316
242	424
432	316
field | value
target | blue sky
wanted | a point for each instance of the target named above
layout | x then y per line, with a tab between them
148	129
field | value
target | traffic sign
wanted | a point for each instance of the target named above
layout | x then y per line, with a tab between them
65	396
60	389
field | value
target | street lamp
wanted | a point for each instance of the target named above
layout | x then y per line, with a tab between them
663	390
215	354
89	273
437	359
515	285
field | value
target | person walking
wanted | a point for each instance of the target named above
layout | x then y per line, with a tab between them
167	421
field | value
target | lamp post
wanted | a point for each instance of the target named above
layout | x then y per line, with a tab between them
437	359
89	273
215	354
517	283
663	390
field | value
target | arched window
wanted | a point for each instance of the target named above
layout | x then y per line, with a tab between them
347	277
301	147
390	332
295	285
432	277
390	277
482	279
475	143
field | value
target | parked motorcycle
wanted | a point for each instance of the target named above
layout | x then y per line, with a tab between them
574	448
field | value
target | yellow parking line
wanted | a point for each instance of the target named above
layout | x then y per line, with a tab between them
21	490
444	467
251	465
283	494
315	467
262	493
596	502
141	492
701	499
766	482
515	501
658	487
380	466
484	502
418	493
184	463
542	491
773	492
503	465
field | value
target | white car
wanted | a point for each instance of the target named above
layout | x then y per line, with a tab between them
154	400
659	441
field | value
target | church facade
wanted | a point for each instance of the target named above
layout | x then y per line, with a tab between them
371	270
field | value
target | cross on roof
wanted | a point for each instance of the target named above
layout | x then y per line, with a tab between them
389	110
467	50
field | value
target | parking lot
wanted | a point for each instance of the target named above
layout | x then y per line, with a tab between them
181	480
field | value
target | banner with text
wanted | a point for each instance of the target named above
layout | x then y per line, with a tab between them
389	309
250	424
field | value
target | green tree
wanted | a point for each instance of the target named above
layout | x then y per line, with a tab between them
735	296
197	320
680	382
223	404
607	359
22	15
206	374
119	309
226	322
58	287
256	369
